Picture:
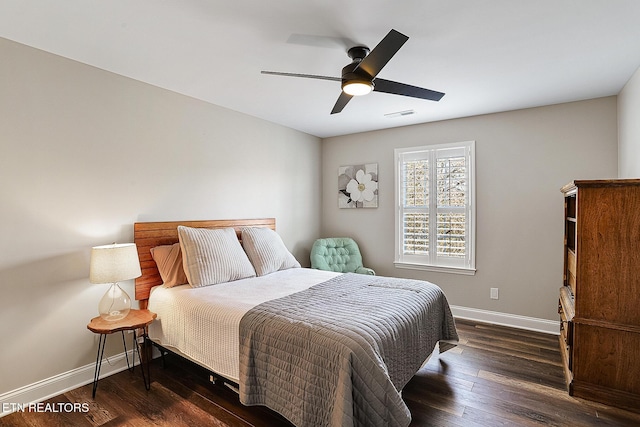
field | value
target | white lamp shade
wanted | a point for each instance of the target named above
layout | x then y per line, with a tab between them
114	263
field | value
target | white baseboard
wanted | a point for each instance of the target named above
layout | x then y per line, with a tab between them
505	319
61	383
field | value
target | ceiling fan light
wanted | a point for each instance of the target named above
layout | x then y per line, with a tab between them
357	87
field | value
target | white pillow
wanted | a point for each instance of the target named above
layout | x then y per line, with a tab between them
266	250
212	256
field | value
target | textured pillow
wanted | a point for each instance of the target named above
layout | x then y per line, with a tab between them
168	258
266	250
212	256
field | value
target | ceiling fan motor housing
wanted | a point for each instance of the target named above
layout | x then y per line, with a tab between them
351	73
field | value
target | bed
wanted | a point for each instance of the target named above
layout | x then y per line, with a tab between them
318	347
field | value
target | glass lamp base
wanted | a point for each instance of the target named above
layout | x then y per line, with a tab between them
115	304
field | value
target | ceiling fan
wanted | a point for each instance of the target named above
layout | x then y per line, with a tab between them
359	77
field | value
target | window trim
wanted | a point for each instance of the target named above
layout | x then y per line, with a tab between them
402	261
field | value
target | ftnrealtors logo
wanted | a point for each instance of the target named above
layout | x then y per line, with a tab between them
45	407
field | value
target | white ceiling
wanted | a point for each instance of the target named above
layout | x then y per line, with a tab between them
486	55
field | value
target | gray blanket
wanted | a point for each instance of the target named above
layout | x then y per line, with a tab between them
339	353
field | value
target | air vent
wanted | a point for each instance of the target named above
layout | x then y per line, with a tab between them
399	114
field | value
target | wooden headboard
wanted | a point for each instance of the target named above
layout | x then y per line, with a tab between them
147	235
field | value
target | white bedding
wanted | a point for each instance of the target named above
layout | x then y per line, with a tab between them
203	323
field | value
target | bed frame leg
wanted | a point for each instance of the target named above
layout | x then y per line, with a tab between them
162	353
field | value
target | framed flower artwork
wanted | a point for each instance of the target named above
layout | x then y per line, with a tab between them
358	186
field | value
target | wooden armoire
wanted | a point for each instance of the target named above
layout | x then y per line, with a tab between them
600	298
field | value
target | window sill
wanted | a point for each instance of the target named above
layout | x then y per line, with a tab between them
436	268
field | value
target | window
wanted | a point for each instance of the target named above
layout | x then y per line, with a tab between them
435	215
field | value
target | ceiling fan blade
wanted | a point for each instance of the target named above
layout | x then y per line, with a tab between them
343	99
382	53
306	76
388	86
321	41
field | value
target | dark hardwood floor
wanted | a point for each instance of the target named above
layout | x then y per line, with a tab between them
496	376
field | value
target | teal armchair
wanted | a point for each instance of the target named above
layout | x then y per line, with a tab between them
340	254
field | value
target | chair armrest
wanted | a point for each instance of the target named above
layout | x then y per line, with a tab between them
365	270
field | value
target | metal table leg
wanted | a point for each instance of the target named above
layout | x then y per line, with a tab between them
143	361
96	375
146	378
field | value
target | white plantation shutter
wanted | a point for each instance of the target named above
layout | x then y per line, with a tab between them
436	207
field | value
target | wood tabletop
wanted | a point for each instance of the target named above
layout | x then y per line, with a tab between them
134	320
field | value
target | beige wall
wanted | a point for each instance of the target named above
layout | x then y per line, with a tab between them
629	128
83	155
522	159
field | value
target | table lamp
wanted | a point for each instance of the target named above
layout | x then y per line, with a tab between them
112	264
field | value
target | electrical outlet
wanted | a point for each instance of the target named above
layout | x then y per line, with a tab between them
494	293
